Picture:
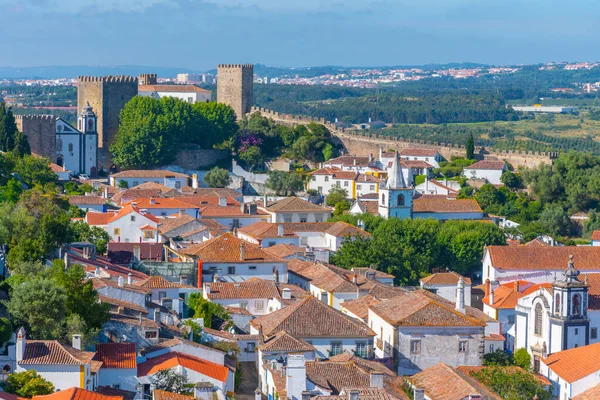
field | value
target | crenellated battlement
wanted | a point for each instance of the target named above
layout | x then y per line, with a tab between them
242	66
37	117
109	79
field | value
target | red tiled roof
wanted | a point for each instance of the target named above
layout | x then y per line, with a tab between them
172	88
157	282
296	204
263	229
51	352
596	235
284	342
284	250
590	394
161	202
253	288
116	355
76	394
338	228
130	208
445	278
98	218
431	203
100	283
148	173
200	201
553	258
173	359
575	364
122	304
226	249
349	161
336	173
360	307
85	200
416	164
165	344
488	164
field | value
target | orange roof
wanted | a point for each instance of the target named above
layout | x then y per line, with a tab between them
199	201
161	202
148	173
427	203
505	296
227	249
575	364
172	88
128	209
596	235
537	286
445	278
264	229
229	211
590	394
157	282
173	359
336	173
488	164
148	228
551	258
76	394
116	355
98	218
162	395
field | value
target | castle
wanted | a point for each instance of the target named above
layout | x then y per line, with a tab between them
107	95
41	133
235	87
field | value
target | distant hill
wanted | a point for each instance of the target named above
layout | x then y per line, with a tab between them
54	72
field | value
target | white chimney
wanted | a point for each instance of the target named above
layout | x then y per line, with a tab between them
280	230
195	181
222	201
355	278
286	294
183	279
419	394
157	315
369	119
206	288
76	341
120	281
216	278
275	275
152	200
130	278
21	343
460	296
242	251
64	166
295	376
376	379
181	213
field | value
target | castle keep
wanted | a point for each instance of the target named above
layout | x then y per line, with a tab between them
235	87
107	95
41	133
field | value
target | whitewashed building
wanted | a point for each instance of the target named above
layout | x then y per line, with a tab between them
188	93
490	170
77	149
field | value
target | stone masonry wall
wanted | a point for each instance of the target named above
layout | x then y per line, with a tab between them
235	87
41	133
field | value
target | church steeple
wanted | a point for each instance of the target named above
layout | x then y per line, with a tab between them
396	177
395	196
87	120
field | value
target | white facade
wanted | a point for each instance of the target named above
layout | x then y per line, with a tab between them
188	97
300	216
449	291
62	376
175	182
435	187
491	175
77	150
123	378
134	227
245	271
433	159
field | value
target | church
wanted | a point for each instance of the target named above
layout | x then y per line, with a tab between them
395	195
76	149
557	316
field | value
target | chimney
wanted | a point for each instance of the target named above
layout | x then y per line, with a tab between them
280	230
181	213
76	341
222	201
369	119
152	200
370	275
306	395
355	278
286	294
64	166
353	395
194	181
130	278
120	281
141	318
275	275
418	394
517	286
216	278
21	343
376	379
242	251
265	201
97	271
380	153
157	315
207	288
106	192
183	279
491	298
295	376
258	395
460	296
354	161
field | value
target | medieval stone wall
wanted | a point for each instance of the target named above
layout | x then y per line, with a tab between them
235	87
41	133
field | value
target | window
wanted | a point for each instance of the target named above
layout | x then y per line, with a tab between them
231	270
400	200
244	305
117	231
576	304
383	199
336	348
594	333
303	218
190	99
320	189
287	218
151	334
148	234
304	241
116	386
135	183
463	346
358	187
326	179
259	305
250	348
536	364
511	319
70	147
59	144
338	184
314	179
177	185
324	297
491	348
371	187
415	347
557	304
252	268
271	244
345	183
235	223
576	331
537	327
362	349
163	213
90	125
162	295
132	218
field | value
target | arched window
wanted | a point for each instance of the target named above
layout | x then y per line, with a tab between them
400	200
90	125
537	327
576	305
557	304
383	199
59	144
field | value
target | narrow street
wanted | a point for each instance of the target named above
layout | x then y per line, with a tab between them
249	381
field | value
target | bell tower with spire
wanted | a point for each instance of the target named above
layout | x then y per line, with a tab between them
396	194
569	322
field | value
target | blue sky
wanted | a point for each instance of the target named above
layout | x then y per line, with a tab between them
198	34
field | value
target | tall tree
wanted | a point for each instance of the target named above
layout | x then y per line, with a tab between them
470	147
8	128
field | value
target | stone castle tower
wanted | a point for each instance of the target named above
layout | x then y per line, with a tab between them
148	79
107	95
41	133
235	87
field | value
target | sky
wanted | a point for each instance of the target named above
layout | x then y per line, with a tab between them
199	34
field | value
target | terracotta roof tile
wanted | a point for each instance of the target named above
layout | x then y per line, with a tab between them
378	274
284	250
311	318
229	211
133	321
173	359
166	344
284	342
172	89
253	288
431	203
217	192
336	173
200	201
116	355
100	283
227	248
575	364
552	258
263	230
338	228
488	164
445	278
85	200
596	235
130	208
214	227
122	304
360	307
76	394
98	218
148	173
157	282
326	277
350	161
590	394
296	204
161	202
51	352
162	395
109	391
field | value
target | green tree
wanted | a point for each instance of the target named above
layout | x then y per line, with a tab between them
33	170
512	383
355	253
341	207
11	191
8	129
556	220
39	304
214	315
172	382
522	359
470	147
336	195
511	180
217	178
28	384
252	156
123	184
284	183
82	232
498	358
221	123
592	224
6	330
